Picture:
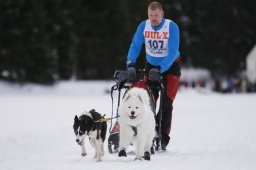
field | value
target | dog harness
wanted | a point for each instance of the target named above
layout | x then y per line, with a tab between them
134	130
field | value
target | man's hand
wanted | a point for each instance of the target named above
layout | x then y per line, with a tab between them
154	75
132	74
128	75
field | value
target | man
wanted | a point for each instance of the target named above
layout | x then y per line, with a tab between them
161	39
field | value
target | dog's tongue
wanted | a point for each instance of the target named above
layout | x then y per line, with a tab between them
132	117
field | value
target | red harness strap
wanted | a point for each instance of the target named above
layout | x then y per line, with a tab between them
140	84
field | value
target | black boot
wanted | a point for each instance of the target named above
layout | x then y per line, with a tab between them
152	150
122	153
147	156
163	146
164	142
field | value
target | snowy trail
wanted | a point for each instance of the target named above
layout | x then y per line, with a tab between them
210	131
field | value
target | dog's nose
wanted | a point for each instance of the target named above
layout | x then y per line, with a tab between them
132	113
77	140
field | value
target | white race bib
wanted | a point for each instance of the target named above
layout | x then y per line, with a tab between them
156	42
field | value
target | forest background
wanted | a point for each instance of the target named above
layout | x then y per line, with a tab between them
44	41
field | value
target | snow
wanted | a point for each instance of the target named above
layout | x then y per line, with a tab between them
209	131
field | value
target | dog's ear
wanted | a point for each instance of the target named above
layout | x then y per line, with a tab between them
76	122
127	97
76	119
139	97
92	111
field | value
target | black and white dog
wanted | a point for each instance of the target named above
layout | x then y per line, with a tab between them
89	124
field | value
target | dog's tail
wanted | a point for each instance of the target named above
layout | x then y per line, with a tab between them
103	131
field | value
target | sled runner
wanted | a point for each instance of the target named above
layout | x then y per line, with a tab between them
121	88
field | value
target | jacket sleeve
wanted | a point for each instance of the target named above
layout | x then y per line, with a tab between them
137	42
173	45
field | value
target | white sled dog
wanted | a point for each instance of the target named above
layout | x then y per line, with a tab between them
137	123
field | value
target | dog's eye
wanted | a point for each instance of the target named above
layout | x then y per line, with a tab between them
137	107
81	132
76	132
129	107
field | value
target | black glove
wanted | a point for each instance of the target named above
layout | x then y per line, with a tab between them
122	76
154	75
128	75
132	73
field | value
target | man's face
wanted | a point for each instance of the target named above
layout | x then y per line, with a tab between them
155	16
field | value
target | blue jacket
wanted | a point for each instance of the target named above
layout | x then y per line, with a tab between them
173	43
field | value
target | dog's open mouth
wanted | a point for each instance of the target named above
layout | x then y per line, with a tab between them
80	143
132	117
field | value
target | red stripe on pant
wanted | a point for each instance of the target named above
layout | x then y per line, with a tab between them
171	85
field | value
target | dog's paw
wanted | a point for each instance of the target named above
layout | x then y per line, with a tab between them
83	154
99	160
138	158
122	153
147	156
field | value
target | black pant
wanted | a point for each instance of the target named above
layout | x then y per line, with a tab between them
170	80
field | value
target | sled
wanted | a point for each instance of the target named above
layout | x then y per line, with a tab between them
141	82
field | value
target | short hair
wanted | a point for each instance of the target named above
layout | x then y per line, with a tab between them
155	5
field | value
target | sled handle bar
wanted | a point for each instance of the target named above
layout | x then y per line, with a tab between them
140	76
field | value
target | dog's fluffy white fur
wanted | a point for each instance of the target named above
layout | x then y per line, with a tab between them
135	111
